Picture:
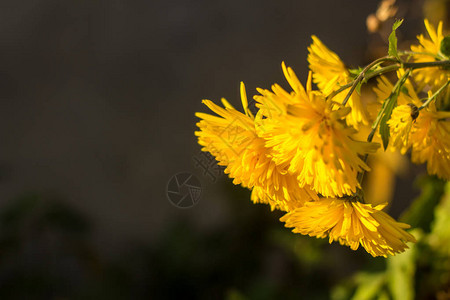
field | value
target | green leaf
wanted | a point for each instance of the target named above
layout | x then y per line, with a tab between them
388	106
391	103
393	39
358	88
404	90
355	72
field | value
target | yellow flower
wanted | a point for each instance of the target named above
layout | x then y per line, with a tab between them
330	73
403	115
231	138
427	51
309	137
352	224
430	141
400	125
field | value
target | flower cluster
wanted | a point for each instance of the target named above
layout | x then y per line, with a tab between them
302	151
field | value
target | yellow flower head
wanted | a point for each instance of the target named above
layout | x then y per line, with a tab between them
350	223
430	141
309	137
231	138
403	115
426	131
400	126
427	51
330	73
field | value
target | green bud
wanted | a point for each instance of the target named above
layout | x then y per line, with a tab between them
445	46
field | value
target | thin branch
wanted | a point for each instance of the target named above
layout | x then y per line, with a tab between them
434	96
363	72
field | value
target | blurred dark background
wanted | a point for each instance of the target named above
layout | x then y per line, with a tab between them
97	114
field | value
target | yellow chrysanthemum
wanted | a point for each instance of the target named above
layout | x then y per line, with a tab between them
403	115
352	224
400	125
426	131
308	136
427	51
330	73
231	138
430	141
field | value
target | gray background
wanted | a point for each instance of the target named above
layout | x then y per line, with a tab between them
98	97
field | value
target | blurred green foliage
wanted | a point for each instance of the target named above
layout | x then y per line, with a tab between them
420	213
423	271
47	252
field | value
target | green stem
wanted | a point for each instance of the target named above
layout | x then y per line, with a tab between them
440	63
382	71
434	96
341	89
363	73
369	76
418	53
399	64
